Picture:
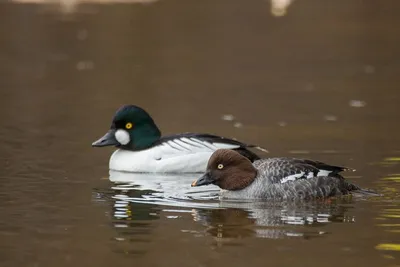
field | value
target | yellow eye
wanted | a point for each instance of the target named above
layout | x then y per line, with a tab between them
220	166
128	125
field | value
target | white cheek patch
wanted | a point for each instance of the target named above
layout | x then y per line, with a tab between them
122	137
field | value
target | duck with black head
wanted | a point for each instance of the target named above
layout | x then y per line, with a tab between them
275	178
141	148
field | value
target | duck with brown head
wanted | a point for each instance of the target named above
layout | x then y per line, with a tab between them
274	178
229	171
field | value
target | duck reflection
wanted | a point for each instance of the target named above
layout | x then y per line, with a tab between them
140	198
132	193
132	221
272	221
159	188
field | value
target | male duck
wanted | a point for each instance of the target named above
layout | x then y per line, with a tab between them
274	178
142	149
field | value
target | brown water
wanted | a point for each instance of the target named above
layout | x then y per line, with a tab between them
320	82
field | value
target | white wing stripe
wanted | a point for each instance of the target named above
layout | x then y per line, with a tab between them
227	146
173	145
296	176
187	146
182	145
292	177
192	145
204	143
190	142
323	173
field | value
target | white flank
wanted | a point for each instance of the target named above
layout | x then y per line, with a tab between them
178	155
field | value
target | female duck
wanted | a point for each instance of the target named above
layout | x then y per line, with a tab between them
274	178
143	149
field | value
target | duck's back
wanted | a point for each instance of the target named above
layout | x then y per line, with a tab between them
281	170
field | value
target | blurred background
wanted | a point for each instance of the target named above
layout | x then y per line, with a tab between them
304	78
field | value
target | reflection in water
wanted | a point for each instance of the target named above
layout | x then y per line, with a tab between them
71	5
160	187
190	62
388	185
279	7
139	198
132	223
389	216
389	220
269	221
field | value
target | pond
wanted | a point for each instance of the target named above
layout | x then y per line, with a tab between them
301	78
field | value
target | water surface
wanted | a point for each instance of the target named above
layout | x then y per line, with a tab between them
317	80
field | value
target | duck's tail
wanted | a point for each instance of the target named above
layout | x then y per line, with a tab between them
357	190
365	192
361	192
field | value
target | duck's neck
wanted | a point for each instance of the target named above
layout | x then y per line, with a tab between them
240	179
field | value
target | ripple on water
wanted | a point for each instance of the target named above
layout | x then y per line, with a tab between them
388	218
140	198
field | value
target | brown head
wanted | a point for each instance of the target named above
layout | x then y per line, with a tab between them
229	170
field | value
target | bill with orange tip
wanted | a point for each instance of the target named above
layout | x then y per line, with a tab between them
203	180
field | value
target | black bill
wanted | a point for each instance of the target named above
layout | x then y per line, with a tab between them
107	140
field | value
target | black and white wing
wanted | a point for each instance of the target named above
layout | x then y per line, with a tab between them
195	143
283	170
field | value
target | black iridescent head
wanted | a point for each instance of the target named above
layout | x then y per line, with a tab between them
131	128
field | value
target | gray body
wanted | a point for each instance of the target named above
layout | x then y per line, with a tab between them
287	178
